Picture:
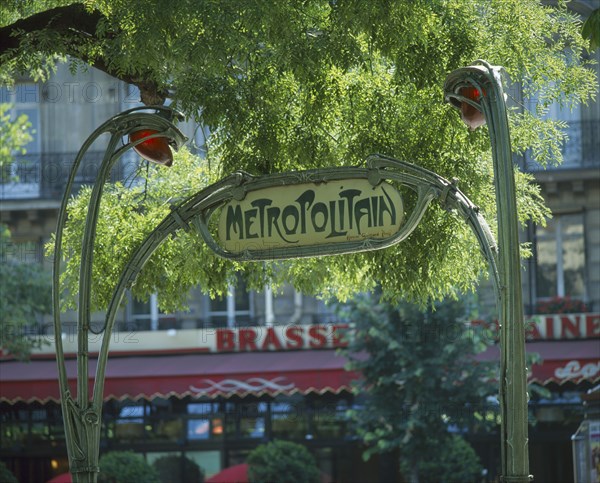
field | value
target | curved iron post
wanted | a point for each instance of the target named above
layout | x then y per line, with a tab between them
82	418
486	79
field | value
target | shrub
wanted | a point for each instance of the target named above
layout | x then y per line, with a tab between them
125	467
171	469
455	461
6	475
284	462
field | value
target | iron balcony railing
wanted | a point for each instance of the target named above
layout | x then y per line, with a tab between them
44	175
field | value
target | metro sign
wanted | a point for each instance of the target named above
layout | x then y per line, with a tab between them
318	212
310	214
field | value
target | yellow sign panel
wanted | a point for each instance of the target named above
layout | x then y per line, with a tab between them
308	214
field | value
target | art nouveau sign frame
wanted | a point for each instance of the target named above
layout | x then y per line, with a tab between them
303	214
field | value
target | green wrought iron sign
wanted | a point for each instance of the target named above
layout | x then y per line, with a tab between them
328	211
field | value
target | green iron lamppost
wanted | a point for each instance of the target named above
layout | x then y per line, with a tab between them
478	93
151	134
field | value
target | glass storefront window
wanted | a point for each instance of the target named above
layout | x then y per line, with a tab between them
289	417
46	425
130	422
198	429
205	421
39	428
252	419
330	420
34	425
56	429
13	428
167	427
175	421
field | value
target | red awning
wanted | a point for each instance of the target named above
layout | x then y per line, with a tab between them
184	375
562	361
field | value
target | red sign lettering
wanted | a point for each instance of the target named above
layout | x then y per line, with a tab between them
247	340
317	336
569	327
294	338
225	340
271	339
592	325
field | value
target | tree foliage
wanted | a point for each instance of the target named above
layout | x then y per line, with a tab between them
591	29
25	295
419	380
284	462
297	85
454	462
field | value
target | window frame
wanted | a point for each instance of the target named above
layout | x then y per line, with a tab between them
231	313
560	237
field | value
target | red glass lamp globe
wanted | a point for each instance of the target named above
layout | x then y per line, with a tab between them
156	150
471	116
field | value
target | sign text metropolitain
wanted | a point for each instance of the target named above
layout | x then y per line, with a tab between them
311	214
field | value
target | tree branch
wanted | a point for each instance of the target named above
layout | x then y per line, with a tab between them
72	18
80	26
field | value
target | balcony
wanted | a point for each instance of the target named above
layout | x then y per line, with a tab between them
44	176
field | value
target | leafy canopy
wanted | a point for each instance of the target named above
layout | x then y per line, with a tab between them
6	475
298	85
25	294
174	468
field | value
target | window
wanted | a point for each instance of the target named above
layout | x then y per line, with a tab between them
147	315
560	258
22	251
234	309
246	420
130	423
205	421
571	149
289	417
23	179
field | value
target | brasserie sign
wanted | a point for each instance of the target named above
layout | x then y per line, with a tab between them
309	214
